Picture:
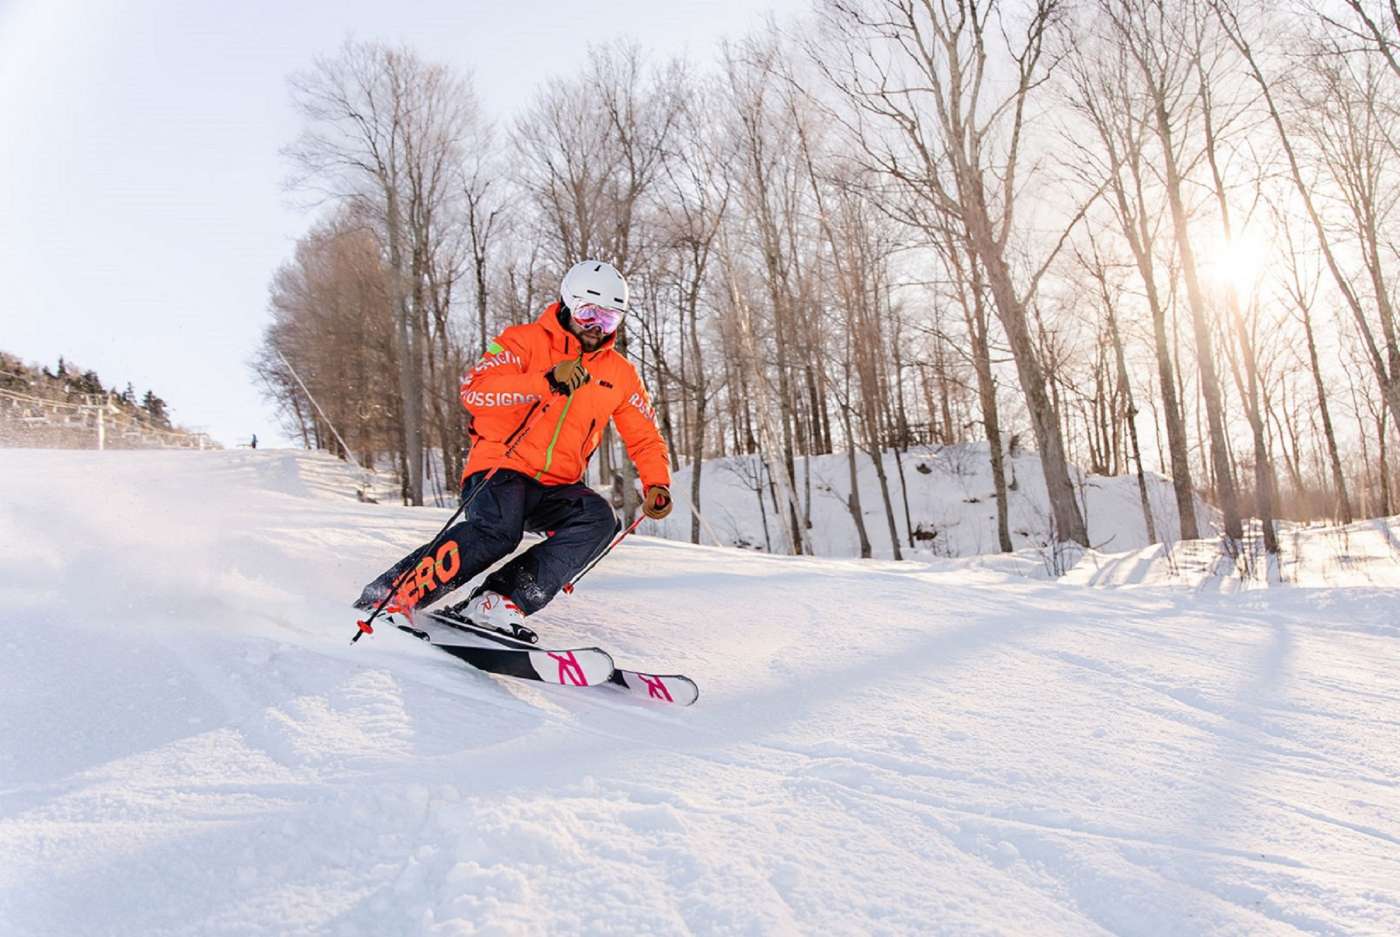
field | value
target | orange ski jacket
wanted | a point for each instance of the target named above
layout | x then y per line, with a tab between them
509	385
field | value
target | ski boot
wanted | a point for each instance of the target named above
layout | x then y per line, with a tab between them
487	609
374	593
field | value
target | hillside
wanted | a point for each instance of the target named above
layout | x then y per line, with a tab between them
952	504
189	745
70	408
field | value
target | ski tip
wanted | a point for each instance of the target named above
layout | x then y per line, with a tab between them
671	689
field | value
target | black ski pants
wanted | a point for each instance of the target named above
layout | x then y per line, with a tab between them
577	521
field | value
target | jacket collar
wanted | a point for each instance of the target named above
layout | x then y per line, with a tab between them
561	337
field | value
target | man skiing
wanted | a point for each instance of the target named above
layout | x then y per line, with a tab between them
539	399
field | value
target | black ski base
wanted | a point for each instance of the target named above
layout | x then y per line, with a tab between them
498	660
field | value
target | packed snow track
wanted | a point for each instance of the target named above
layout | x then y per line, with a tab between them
189	744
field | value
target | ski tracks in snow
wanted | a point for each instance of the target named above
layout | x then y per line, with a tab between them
189	746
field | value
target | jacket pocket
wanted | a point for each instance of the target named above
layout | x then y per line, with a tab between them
523	421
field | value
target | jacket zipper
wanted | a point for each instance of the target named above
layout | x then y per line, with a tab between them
549	453
526	419
558	426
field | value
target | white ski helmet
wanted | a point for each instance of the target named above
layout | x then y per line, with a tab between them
592	281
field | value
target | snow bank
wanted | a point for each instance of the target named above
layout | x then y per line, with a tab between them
1363	554
952	504
190	746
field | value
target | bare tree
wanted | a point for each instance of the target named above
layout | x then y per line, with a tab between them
1341	117
859	262
483	184
332	322
692	203
590	150
1165	41
926	115
970	293
1301	288
384	133
770	187
1103	91
1098	269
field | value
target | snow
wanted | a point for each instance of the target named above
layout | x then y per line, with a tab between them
952	502
190	745
1359	555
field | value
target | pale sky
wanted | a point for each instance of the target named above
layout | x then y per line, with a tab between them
142	212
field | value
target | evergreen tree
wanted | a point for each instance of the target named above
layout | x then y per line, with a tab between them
155	409
88	383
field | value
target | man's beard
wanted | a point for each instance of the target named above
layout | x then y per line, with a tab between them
591	339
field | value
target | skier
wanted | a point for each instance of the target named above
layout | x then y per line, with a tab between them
539	400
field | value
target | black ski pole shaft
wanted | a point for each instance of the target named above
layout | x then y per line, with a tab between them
366	625
569	586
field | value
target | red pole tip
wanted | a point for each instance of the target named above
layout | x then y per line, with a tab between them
365	627
568	588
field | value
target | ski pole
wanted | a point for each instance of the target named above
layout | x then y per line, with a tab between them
569	586
366	625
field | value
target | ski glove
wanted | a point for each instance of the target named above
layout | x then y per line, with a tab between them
658	502
568	376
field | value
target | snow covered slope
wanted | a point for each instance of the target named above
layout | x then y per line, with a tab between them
189	745
952	504
1363	554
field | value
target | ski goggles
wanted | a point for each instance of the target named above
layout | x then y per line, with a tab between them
593	316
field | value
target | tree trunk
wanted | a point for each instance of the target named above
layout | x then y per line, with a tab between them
697	455
853	499
1338	477
1383	466
1205	352
1067	518
872	442
987	398
1122	367
410	355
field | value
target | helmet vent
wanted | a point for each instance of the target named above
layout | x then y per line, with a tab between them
595	292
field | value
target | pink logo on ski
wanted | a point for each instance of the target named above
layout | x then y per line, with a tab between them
656	688
570	671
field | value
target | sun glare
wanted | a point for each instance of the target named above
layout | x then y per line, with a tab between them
1238	264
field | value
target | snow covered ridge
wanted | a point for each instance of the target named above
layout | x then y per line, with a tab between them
952	504
1364	554
190	746
953	510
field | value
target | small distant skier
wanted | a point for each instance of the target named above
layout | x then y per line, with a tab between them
548	389
254	443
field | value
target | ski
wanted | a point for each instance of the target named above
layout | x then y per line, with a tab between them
520	637
675	689
579	666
